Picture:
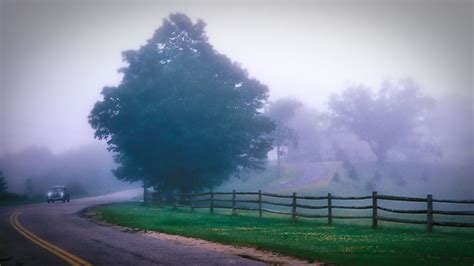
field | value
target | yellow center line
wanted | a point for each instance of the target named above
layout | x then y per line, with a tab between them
44	242
66	256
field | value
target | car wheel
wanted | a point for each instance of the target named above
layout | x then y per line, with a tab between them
64	201
67	200
47	201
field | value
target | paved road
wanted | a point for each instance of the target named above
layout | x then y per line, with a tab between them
60	224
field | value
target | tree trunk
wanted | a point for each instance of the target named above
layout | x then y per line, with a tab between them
380	156
378	152
278	161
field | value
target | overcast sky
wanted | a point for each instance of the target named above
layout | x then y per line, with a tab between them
56	56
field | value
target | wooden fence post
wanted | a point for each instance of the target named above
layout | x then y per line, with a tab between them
145	196
159	198
259	204
429	214
233	202
211	209
191	201
329	209
374	209
174	202
293	207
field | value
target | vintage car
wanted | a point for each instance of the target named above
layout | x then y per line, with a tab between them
57	193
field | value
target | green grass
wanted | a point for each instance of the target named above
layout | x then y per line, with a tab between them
344	243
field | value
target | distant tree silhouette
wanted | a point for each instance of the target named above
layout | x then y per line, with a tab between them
336	177
372	183
184	116
384	119
3	183
280	112
346	163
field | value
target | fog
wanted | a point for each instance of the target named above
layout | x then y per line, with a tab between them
56	56
85	171
436	157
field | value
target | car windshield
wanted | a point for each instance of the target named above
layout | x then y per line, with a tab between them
57	189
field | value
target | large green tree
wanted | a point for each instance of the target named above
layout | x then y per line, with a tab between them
184	116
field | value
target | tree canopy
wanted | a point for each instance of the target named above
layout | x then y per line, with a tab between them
184	116
384	119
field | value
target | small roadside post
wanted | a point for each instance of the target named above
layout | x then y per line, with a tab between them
374	210
293	207
211	209
233	202
429	213
329	209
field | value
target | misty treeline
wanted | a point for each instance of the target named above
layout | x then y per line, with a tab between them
360	125
84	170
392	132
186	117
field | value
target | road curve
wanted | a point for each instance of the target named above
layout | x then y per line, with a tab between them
55	234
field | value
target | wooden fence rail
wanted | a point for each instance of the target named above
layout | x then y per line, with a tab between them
258	199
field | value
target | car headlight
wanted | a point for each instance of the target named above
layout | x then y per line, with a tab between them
61	194
50	194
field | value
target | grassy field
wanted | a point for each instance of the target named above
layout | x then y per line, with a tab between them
344	243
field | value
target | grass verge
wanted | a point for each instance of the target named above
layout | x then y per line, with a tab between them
343	243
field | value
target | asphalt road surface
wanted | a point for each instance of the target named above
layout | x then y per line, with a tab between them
55	234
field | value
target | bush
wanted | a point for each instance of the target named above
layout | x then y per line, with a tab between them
7	196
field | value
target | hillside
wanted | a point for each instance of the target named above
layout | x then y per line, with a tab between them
398	178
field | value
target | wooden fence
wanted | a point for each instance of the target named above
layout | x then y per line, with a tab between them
260	200
153	197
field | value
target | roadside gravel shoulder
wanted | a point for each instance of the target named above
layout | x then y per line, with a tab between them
241	251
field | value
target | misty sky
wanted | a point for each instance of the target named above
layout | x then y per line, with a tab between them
56	56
